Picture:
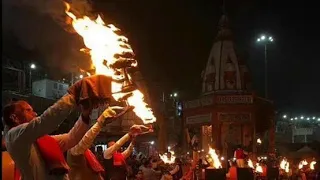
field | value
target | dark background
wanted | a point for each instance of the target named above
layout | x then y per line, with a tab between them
172	41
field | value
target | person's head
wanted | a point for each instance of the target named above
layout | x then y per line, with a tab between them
146	163
18	112
139	174
177	161
99	149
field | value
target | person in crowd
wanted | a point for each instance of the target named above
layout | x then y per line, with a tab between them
139	175
114	161
83	163
148	172
240	154
99	154
189	173
232	173
133	165
38	155
155	162
177	170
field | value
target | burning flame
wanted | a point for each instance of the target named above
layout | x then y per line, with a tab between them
258	168
215	158
166	159
104	45
302	163
259	141
312	165
284	164
250	164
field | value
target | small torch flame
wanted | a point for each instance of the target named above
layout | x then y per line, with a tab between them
105	47
250	164
259	141
258	168
215	158
312	165
167	159
284	164
302	163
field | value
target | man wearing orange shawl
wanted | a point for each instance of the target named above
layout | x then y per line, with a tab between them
37	155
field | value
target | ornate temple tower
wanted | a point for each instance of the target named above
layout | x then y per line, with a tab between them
224	71
228	113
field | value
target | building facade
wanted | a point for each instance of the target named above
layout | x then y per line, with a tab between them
228	112
49	89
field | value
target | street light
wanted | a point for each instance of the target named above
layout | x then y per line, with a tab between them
265	41
32	66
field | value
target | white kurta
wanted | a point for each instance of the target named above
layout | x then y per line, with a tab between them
21	140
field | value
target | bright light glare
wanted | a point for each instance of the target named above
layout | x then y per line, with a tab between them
263	37
81	76
32	66
284	116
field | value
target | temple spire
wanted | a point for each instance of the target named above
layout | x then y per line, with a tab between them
223	7
223	22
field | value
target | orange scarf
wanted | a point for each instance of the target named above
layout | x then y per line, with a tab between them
17	175
52	155
93	162
118	159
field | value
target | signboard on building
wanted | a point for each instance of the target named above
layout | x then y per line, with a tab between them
234	99
199	119
204	101
234	117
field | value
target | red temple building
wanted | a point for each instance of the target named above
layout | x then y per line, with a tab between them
228	112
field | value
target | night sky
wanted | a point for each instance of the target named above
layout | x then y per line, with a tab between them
172	42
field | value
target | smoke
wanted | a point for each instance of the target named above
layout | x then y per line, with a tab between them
40	25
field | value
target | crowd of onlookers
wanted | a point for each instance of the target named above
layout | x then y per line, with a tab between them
141	167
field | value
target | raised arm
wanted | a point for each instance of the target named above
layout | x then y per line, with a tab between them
87	140
44	124
128	151
134	131
70	139
108	153
90	91
175	170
